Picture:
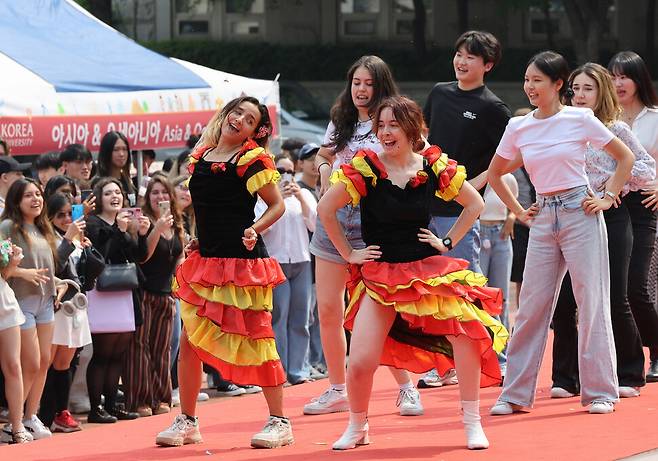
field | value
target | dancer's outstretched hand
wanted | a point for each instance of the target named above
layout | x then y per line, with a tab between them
369	253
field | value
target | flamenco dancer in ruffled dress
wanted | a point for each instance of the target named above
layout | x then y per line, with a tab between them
409	306
225	284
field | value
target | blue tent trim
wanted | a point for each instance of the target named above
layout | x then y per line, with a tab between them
75	53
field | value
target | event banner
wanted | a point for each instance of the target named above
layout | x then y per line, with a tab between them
32	135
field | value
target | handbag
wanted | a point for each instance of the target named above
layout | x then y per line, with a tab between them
73	304
89	267
111	311
117	277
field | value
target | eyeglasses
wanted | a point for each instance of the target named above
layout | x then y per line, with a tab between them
283	170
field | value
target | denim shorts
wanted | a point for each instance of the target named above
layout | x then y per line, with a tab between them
37	310
349	218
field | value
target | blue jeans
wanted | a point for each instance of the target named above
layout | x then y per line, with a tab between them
496	265
292	306
563	237
468	248
315	354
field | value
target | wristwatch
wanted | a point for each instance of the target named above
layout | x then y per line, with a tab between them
447	242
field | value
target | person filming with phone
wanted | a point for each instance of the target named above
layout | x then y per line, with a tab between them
147	373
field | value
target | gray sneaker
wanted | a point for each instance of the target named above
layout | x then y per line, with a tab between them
277	432
181	432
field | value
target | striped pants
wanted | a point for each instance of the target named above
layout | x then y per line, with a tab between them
147	372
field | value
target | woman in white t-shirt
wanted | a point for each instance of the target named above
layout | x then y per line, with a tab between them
640	111
369	80
287	242
567	233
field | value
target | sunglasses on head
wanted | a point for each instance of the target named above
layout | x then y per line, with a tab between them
283	170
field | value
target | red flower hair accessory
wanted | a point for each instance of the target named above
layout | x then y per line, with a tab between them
262	132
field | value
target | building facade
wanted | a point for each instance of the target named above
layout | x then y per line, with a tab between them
329	22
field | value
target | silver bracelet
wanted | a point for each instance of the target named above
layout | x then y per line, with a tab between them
611	195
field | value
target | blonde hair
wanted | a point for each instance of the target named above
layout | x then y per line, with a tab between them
607	108
210	136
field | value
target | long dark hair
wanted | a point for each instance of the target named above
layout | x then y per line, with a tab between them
173	208
555	67
213	131
13	212
56	182
344	115
105	159
631	64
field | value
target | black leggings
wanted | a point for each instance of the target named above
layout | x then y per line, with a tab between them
106	366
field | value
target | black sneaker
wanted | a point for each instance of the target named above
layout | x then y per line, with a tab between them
121	414
100	415
228	389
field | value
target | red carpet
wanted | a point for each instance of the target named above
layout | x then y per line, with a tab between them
554	430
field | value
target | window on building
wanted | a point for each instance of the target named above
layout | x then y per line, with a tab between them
360	27
245	28
245	6
192	7
192	27
359	6
407	6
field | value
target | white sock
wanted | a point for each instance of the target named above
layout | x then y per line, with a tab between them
407	386
338	387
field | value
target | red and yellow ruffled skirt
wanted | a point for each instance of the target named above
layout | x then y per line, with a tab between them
433	298
226	306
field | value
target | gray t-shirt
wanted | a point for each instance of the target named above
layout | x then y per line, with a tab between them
36	254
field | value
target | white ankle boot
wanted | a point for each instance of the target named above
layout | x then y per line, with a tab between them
355	434
475	438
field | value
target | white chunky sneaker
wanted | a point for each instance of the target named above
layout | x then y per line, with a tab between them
450	378
36	428
629	392
409	402
277	432
332	401
601	407
560	393
431	379
355	434
504	408
181	432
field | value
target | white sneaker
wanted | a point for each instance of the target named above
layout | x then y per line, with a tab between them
332	401
175	398
252	389
409	402
450	378
433	379
36	428
4	415
181	432
560	393
202	397
601	407
504	408
277	432
628	391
